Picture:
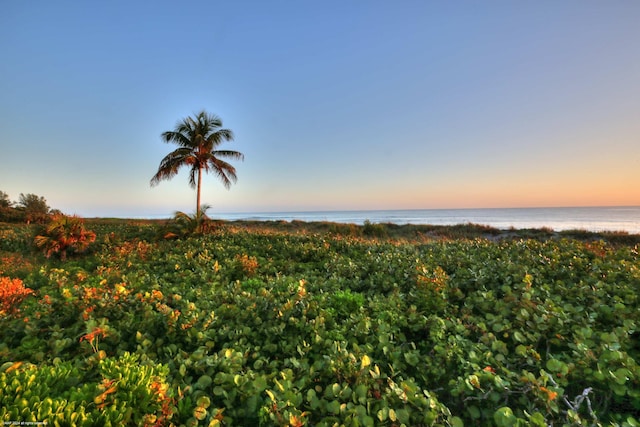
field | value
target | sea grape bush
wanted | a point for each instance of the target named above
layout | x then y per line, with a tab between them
12	293
245	328
14	238
124	392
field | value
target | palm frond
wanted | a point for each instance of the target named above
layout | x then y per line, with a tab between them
219	136
223	170
170	165
181	216
209	119
193	176
178	138
235	155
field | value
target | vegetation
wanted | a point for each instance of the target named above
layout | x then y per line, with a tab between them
30	208
184	225
198	139
283	324
5	202
64	234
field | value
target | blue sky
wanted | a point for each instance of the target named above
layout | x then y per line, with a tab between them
335	104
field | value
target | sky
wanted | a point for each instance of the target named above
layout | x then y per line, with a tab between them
336	105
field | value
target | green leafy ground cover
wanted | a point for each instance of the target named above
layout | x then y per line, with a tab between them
264	327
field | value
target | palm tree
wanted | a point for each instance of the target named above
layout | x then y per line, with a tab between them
198	139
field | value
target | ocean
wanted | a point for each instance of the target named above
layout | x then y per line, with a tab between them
622	218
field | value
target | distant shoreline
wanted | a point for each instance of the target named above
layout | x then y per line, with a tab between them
595	219
408	232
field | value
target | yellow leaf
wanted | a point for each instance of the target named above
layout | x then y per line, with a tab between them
13	367
270	394
365	362
392	415
294	420
375	373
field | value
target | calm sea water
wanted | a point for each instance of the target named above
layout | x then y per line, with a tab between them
580	218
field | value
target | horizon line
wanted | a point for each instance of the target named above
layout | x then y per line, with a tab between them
259	212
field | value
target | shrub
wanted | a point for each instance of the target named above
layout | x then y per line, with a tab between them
345	302
12	293
374	230
64	234
127	392
15	238
243	266
184	225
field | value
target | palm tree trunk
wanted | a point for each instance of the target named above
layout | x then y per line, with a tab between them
198	196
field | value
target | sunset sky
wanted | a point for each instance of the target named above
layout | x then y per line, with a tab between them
336	105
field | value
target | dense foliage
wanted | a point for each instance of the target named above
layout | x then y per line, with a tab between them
259	328
29	208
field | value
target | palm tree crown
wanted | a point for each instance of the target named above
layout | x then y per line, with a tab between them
198	139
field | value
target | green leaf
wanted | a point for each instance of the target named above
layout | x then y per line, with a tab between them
311	394
412	358
361	393
504	417
314	403
554	365
632	422
251	404
383	414
518	337
367	421
403	416
474	412
333	407
260	384
537	420
619	389
203	401
335	389
621	375
521	350
204	382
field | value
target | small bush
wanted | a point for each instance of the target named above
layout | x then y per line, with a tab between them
374	230
126	391
243	266
63	235
184	225
12	293
345	302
